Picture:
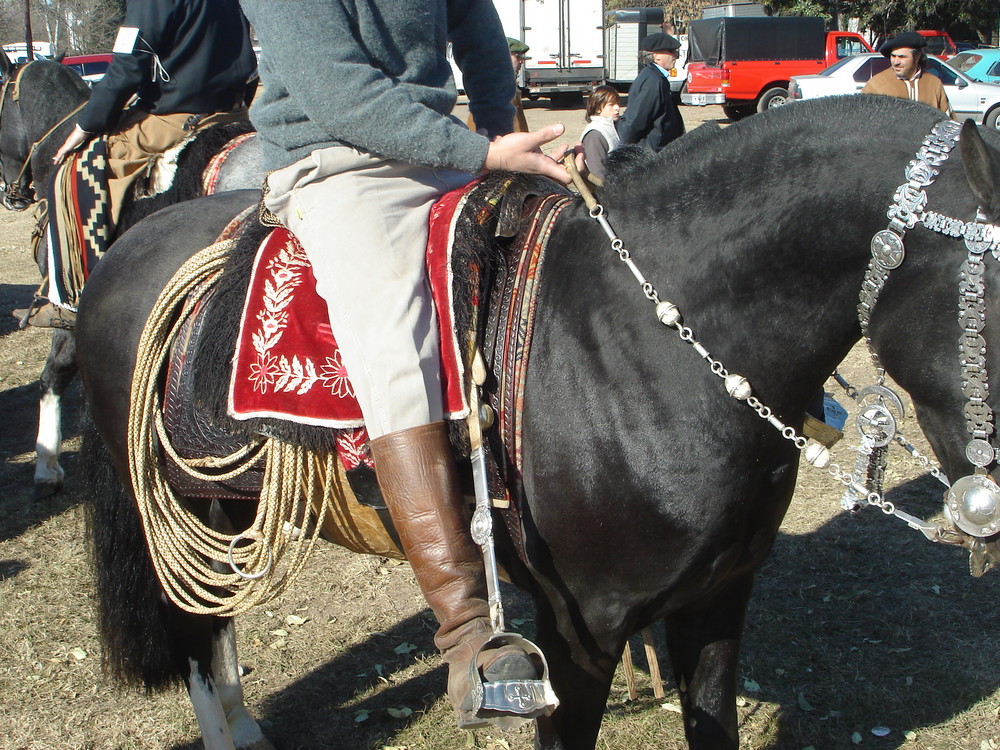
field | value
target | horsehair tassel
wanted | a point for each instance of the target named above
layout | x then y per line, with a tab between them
569	161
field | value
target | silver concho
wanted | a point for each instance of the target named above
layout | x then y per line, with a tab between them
973	505
876	422
482	526
881	394
979	452
887	249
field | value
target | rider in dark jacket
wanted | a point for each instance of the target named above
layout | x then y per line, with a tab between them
187	64
192	57
652	118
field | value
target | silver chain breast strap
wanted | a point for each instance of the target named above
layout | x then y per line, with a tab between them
877	423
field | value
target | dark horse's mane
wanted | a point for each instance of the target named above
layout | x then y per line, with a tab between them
637	178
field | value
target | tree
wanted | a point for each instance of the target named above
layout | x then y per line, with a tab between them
72	26
885	18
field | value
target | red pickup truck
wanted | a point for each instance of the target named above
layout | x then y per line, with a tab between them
745	64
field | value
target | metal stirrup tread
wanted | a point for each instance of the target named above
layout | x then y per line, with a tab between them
507	703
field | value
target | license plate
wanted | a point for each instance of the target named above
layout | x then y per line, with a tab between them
699	100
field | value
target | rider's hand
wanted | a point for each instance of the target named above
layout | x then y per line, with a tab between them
521	152
73	141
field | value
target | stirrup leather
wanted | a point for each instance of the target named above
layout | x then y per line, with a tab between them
505	703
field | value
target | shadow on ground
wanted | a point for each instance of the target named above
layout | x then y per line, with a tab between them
865	607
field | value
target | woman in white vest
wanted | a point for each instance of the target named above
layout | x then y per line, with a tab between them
600	137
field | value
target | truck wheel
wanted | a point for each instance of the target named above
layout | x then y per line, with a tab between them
738	111
992	120
772	99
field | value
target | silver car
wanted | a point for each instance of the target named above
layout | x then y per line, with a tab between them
968	98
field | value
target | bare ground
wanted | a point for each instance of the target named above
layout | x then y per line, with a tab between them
860	634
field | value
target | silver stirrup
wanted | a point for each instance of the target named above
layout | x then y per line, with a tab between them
505	703
510	702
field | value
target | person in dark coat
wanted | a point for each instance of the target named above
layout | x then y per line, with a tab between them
652	118
185	64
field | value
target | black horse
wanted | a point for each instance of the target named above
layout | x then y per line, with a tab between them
651	494
37	112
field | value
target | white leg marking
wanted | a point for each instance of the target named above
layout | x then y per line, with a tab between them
208	710
226	670
49	441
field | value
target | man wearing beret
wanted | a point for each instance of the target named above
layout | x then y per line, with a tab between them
908	77
652	118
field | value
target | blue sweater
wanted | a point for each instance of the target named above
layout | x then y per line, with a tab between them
373	74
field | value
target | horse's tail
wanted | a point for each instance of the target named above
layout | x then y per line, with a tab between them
132	611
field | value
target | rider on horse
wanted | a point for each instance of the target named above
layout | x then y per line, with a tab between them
188	64
355	120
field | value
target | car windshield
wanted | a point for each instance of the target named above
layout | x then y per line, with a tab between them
835	67
948	76
964	60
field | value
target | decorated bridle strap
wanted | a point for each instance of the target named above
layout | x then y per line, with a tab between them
972	503
910	199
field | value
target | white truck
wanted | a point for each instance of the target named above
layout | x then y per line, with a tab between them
566	41
17	51
624	29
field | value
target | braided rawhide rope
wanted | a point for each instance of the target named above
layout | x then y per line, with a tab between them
202	570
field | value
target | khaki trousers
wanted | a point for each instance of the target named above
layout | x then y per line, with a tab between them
362	220
142	137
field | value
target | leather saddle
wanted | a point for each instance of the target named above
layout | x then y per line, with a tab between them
502	223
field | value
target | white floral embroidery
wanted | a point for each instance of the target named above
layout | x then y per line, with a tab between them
352	445
284	374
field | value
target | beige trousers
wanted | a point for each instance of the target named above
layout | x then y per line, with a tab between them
362	220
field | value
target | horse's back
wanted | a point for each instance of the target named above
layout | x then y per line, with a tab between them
242	169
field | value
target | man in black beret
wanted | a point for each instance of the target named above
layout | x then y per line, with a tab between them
908	77
652	118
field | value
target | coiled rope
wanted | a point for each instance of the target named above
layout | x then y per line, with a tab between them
203	570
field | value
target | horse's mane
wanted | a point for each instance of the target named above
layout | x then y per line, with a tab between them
636	177
53	78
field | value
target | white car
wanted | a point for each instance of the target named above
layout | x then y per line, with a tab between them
968	98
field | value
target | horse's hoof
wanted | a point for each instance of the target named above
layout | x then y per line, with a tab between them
45	490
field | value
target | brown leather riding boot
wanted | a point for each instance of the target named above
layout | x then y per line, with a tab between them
416	473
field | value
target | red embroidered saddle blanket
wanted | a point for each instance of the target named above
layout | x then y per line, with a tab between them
287	363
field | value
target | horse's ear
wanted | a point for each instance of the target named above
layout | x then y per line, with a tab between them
982	167
59	58
6	68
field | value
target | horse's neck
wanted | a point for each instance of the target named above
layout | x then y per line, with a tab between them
781	312
48	120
